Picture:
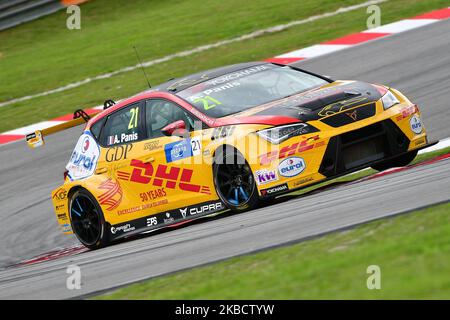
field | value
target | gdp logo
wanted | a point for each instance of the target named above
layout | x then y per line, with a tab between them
84	158
291	167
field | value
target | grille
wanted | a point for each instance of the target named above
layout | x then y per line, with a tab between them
359	148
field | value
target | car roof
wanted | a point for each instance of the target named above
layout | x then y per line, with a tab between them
179	84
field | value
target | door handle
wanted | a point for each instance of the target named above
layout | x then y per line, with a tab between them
101	170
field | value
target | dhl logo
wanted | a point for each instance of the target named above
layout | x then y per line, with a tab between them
169	176
289	150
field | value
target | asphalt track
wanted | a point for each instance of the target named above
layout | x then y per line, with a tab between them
416	62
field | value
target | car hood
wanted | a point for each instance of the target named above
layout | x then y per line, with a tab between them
314	104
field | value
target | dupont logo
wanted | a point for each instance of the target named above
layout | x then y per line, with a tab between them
274	190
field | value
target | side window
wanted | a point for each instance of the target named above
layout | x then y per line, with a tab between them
122	126
159	113
97	127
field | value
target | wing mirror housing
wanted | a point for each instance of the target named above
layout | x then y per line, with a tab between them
177	128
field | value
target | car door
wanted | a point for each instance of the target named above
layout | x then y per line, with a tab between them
179	171
119	138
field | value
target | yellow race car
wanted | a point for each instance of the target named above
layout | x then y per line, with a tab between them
228	138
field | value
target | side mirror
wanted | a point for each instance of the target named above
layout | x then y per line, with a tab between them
177	128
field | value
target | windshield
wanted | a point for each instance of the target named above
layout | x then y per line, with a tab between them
247	88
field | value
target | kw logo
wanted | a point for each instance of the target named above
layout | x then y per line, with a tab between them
113	195
170	177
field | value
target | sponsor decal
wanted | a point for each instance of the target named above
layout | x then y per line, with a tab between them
353	115
121	138
60	207
340	106
62	216
183	212
123	228
182	149
112	197
85	145
302	181
66	228
291	167
83	160
152	221
222	132
118	153
406	112
60	194
143	207
290	150
171	177
274	190
168	218
236	75
196	210
416	124
152	194
420	141
265	176
152	145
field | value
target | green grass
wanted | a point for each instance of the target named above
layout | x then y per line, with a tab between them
413	252
57	56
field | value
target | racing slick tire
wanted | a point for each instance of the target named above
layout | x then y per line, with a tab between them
86	218
400	161
234	181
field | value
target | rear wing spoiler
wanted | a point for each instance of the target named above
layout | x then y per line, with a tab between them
36	139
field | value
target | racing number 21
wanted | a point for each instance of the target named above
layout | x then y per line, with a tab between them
134	118
208	102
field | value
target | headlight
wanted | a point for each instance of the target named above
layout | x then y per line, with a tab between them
276	135
389	100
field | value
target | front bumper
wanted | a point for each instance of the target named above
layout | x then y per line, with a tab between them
339	150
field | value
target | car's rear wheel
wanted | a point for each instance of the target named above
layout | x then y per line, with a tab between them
87	220
400	161
234	181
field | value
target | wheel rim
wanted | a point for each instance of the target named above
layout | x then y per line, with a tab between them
85	219
235	183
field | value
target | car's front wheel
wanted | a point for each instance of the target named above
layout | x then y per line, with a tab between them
234	181
400	161
87	220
